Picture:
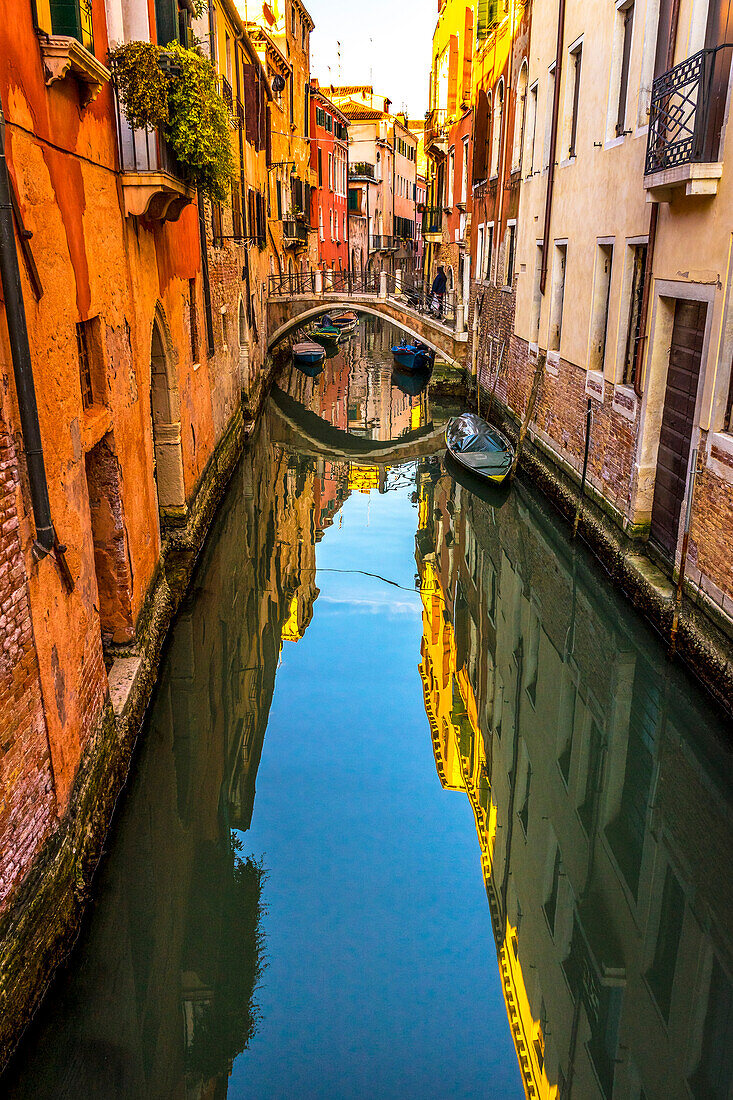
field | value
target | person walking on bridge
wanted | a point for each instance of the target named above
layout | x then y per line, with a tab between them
438	289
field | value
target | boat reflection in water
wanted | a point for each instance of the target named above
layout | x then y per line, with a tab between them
602	800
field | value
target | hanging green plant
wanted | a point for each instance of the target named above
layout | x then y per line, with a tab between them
142	86
198	127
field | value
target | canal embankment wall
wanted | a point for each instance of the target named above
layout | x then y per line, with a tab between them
703	633
40	923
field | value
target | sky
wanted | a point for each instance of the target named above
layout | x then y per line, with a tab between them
383	42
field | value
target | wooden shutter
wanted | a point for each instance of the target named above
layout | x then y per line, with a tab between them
480	136
250	103
452	74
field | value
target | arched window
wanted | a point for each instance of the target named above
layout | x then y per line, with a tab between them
496	128
520	117
242	324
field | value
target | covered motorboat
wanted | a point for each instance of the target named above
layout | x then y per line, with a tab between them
345	322
479	447
325	333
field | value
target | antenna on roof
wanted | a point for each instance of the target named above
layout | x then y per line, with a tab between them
338	54
371	70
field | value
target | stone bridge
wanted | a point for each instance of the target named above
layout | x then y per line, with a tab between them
304	431
287	311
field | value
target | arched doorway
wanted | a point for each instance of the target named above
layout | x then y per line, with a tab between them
165	409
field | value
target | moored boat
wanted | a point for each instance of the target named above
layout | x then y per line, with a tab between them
412	356
478	447
309	357
345	322
325	334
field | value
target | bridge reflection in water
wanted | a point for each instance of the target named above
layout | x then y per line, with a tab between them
600	788
596	774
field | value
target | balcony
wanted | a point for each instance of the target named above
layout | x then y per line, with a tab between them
361	170
154	184
227	95
685	121
436	131
295	232
432	224
380	243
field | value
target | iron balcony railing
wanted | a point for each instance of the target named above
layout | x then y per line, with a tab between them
362	168
295	231
436	125
432	219
226	93
686	112
144	150
380	243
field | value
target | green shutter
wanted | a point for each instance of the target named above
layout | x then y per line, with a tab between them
166	21
487	16
73	18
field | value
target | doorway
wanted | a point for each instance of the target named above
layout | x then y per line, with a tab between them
111	552
165	409
678	416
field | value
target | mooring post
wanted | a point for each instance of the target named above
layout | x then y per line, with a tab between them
683	557
588	425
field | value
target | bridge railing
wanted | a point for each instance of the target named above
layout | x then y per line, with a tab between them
400	289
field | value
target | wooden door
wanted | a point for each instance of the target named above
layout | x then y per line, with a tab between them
677	421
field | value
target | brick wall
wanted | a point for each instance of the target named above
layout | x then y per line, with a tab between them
27	795
711	529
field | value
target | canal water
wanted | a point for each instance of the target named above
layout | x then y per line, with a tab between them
421	808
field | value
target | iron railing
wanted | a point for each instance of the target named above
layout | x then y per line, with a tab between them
685	115
380	243
432	219
403	291
362	169
436	126
226	94
295	231
144	150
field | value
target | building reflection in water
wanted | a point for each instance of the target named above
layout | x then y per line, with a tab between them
601	797
162	995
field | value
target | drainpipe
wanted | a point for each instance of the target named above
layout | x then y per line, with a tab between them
553	145
45	541
653	219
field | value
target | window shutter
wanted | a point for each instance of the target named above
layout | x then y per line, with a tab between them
480	135
487	16
250	103
268	135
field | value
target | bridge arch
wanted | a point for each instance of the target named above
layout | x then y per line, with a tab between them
439	340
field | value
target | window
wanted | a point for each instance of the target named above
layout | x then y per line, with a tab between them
74	18
523	812
592	778
224	328
550	905
728	421
329	124
627	15
84	350
320	117
511	234
576	59
661	975
320	167
637	275
451	178
711	1080
193	323
293	19
534	319
464	175
558	296
320	223
599	306
531	128
480	250
242	325
496	129
489	251
548	116
330	223
330	172
520	118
